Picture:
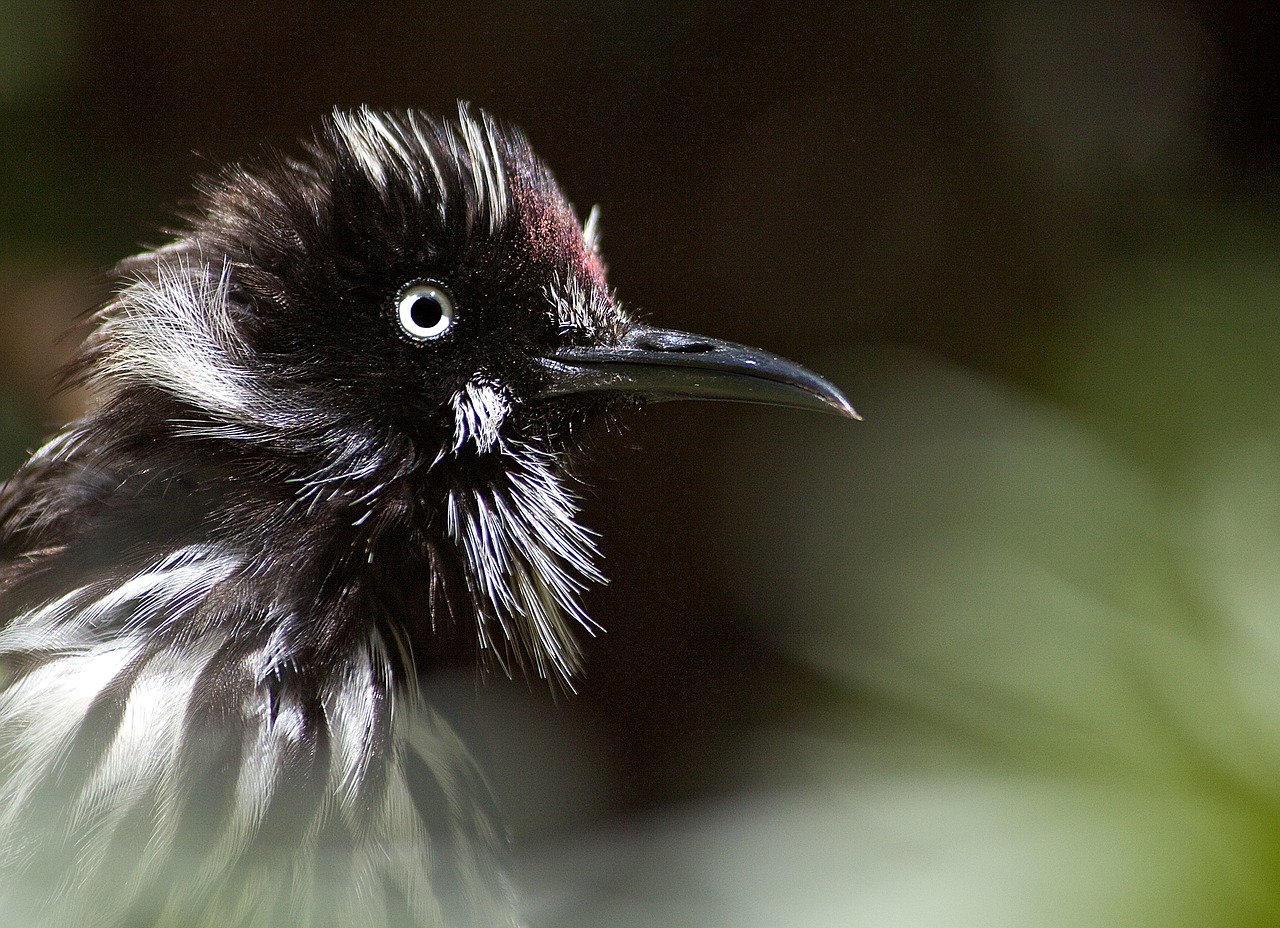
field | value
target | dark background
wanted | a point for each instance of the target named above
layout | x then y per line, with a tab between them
949	180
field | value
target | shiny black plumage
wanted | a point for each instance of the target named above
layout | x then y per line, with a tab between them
334	418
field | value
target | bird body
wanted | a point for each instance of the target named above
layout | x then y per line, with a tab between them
335	422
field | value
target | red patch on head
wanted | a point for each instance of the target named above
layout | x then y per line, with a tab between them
555	234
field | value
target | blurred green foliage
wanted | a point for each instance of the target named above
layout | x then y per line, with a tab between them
1055	620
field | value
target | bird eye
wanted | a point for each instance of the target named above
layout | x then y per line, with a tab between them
425	311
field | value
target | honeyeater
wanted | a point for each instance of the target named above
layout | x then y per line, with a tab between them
335	416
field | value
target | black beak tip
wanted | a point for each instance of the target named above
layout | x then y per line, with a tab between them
832	399
845	409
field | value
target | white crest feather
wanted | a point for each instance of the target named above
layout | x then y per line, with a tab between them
488	175
406	145
591	230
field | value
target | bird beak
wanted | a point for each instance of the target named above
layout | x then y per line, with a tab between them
663	364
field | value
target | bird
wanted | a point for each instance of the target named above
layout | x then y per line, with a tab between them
337	420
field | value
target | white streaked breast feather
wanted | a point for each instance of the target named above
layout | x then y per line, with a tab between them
385	850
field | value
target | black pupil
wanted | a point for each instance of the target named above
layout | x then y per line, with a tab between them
426	311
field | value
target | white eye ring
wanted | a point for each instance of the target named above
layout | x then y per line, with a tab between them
425	311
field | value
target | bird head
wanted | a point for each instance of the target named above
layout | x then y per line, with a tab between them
409	330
